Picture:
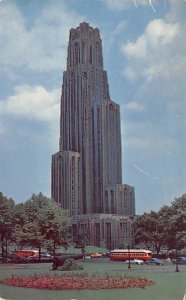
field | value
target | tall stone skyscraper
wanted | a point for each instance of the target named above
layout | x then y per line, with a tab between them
86	172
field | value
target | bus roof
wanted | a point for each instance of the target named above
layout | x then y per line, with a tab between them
27	250
131	250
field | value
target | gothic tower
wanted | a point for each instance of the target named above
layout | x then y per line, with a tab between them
86	172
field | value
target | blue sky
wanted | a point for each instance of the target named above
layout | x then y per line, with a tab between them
144	51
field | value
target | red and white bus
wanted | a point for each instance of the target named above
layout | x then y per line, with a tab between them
126	254
26	253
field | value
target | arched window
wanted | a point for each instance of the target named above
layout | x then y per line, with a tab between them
76	54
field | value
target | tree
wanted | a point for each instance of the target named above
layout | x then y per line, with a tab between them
149	230
166	227
40	223
30	235
55	226
28	228
79	238
6	223
19	214
175	225
35	205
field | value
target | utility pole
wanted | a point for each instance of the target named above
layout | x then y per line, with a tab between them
129	266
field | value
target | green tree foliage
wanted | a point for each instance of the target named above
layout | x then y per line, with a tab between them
41	223
79	238
55	226
167	227
19	214
149	230
6	223
27	230
35	205
175	225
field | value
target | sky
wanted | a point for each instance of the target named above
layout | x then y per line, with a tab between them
144	52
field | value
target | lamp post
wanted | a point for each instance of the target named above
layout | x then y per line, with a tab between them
129	266
177	270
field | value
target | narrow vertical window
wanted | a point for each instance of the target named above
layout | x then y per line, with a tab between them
90	58
76	54
83	52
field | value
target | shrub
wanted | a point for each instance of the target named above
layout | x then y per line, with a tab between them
69	265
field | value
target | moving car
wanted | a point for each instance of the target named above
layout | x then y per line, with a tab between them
154	261
181	260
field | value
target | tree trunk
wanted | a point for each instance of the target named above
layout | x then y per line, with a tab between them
6	249
54	249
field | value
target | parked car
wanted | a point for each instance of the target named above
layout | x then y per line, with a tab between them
138	261
105	254
154	261
135	261
30	259
181	260
46	257
96	255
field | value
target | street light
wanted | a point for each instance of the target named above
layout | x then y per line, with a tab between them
129	266
177	270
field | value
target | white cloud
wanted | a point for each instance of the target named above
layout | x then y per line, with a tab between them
121	26
129	73
150	54
159	32
3	129
137	49
117	4
30	117
113	36
125	4
158	57
147	138
13	37
135	106
37	47
128	4
32	103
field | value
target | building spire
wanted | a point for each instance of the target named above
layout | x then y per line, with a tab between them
85	47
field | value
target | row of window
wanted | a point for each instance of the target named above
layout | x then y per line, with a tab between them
139	254
77	53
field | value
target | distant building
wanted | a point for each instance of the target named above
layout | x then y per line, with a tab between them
86	172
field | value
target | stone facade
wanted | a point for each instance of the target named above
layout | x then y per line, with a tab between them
104	230
86	172
66	172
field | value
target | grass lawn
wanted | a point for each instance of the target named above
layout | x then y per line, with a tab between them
169	285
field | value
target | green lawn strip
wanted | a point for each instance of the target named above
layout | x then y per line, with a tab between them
88	250
168	285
